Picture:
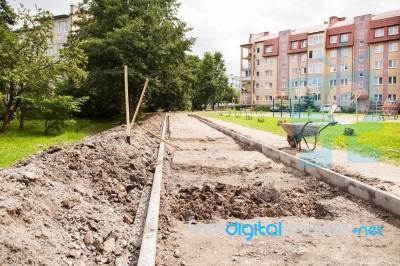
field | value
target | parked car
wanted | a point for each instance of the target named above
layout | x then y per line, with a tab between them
324	108
277	109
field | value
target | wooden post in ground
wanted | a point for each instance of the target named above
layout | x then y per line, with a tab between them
128	127
140	102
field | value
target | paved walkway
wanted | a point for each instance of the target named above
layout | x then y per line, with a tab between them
368	170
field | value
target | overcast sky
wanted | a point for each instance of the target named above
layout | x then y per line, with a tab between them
223	25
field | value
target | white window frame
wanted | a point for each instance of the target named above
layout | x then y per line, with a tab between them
332	53
303	70
393	30
269	61
344	67
344	37
344	82
344	52
303	58
332	68
303	43
268	85
333	39
268	48
378	64
392	63
393	47
392	80
294	45
332	82
293	58
379	32
378	80
378	49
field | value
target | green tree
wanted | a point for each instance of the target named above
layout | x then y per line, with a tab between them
26	72
7	14
148	37
308	101
212	81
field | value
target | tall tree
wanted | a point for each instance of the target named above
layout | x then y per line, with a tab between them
7	14
25	69
148	37
212	81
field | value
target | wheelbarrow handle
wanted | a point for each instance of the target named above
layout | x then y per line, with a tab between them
302	129
330	124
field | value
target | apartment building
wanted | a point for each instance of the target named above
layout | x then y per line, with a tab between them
63	25
338	61
234	81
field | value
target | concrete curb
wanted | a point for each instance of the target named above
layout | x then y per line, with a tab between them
148	248
354	187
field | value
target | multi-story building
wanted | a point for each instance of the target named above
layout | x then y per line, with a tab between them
338	61
63	25
234	81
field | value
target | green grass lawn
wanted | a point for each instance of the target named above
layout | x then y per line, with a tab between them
16	145
375	139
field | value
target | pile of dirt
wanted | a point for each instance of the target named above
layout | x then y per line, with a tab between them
215	201
75	205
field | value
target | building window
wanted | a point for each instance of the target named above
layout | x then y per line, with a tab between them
294	45
257	98
393	30
378	97
49	51
315	82
344	67
361	74
258	50
318	54
257	62
303	84
378	80
333	39
344	37
344	97
294	71
294	58
59	47
268	61
303	58
303	43
361	84
332	54
393	47
315	68
343	82
392	80
378	64
268	98
257	85
313	40
268	85
378	49
294	84
361	59
62	26
343	52
379	32
303	70
268	49
362	43
257	73
393	63
283	65
268	73
332	82
392	97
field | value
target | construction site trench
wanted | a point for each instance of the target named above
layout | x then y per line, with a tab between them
86	204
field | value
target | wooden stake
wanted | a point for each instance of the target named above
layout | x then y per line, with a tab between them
155	135
139	103
128	127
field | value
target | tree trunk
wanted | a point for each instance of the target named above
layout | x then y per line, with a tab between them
22	119
6	120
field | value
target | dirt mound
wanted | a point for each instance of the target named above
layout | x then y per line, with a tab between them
221	201
74	205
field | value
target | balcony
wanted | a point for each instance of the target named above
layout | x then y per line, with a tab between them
246	79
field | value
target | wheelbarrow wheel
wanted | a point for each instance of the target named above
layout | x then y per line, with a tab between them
292	142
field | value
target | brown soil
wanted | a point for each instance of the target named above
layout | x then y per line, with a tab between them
67	205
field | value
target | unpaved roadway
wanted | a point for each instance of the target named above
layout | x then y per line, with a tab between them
215	182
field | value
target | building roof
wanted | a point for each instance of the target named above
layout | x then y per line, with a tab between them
312	29
389	14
